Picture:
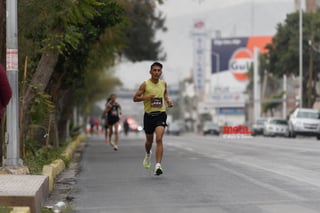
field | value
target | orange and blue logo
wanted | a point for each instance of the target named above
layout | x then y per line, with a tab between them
240	62
235	54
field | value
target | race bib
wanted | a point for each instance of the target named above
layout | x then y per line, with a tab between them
114	112
156	102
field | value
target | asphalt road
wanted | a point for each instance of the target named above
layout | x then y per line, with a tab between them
201	174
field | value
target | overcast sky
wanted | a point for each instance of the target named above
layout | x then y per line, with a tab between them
249	18
174	8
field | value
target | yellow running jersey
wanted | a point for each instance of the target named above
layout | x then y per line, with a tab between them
157	103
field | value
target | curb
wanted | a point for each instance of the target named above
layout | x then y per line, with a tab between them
20	210
57	166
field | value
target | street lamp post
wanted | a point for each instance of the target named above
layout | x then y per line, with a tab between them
13	146
217	56
300	56
217	65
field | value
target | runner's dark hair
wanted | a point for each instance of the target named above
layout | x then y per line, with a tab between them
156	64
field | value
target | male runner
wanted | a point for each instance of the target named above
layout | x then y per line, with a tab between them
153	92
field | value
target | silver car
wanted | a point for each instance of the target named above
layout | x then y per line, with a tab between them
210	128
257	127
174	129
276	127
305	122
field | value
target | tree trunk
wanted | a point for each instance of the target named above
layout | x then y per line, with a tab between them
65	113
40	80
64	102
54	134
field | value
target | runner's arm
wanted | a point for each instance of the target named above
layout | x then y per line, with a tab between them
166	97
120	109
138	97
108	107
105	111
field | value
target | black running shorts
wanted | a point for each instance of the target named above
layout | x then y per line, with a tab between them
154	119
112	120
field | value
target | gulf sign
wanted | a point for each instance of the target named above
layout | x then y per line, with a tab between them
236	54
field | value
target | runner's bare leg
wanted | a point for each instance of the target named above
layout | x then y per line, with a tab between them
116	132
159	148
149	141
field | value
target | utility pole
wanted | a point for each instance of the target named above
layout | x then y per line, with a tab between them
13	146
256	84
284	102
300	56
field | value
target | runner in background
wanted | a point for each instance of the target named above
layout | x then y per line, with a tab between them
126	126
113	112
105	124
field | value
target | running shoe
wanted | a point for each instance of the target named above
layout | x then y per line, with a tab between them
158	171
115	147
106	141
112	144
147	161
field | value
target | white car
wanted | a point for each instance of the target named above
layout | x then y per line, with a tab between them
211	128
257	127
276	127
305	122
174	128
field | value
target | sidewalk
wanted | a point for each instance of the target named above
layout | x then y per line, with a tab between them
32	191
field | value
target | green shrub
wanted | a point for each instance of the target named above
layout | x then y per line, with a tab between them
35	159
4	209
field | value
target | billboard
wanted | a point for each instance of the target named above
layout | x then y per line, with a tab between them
199	43
235	54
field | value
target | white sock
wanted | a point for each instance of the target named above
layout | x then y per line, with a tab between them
158	165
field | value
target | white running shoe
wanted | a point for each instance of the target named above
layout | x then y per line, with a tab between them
158	170
115	147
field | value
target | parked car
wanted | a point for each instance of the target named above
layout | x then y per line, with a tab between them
276	127
174	128
211	128
305	122
257	127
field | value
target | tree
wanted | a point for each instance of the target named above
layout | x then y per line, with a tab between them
283	53
144	21
72	45
270	89
83	76
60	43
272	105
